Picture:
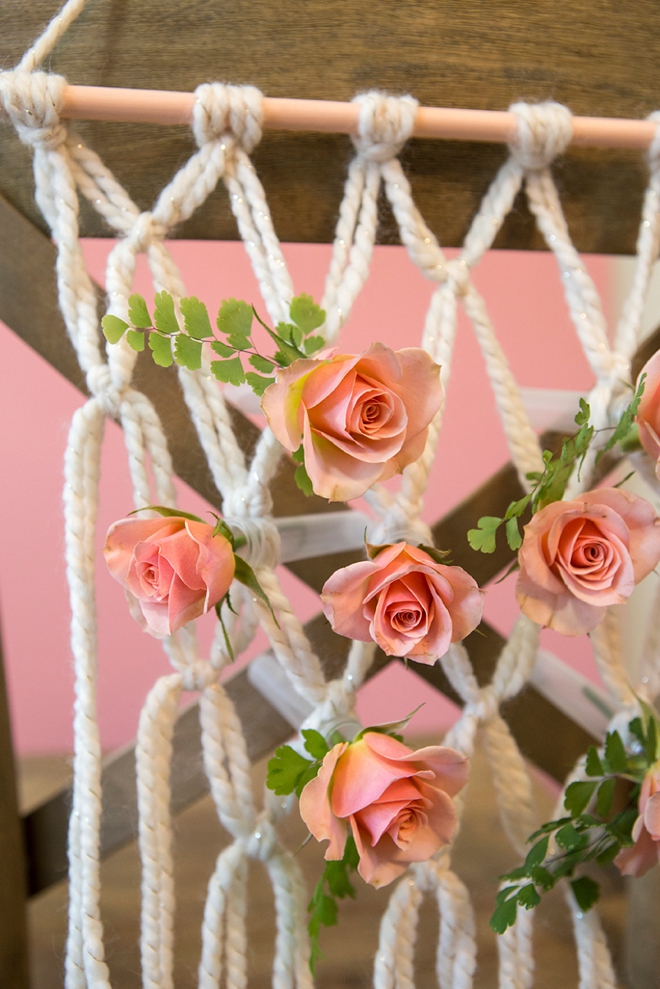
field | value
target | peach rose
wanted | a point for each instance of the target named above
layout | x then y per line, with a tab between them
361	418
405	601
173	569
645	853
397	803
580	556
648	414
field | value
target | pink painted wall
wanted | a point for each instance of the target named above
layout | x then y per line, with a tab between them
523	294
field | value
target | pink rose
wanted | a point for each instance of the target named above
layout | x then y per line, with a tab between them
405	601
173	569
648	414
396	802
645	853
580	556
361	418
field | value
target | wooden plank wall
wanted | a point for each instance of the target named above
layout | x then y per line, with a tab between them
600	58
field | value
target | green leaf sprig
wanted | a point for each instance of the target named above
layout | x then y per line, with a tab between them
243	572
582	837
550	484
170	343
289	772
322	907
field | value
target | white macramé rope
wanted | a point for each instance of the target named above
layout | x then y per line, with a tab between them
227	126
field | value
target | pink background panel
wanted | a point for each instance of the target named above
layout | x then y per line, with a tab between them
524	298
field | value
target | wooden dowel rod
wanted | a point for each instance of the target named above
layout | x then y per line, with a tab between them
152	106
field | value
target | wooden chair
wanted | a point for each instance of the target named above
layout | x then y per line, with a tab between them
472	54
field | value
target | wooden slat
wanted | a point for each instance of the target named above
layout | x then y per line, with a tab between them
13	920
599	58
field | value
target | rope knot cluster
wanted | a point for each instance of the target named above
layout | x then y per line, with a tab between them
458	275
544	131
384	125
262	540
104	390
485	706
146	230
228	111
33	101
250	500
263	843
396	528
198	675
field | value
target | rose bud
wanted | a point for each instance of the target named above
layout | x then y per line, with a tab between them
396	802
173	569
404	601
578	557
360	418
645	853
648	413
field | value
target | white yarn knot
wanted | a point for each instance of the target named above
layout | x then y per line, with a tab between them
102	387
544	131
458	274
485	706
400	529
221	110
385	124
263	843
337	710
262	540
252	500
619	367
198	675
146	230
33	102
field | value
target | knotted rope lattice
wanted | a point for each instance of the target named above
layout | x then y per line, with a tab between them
227	127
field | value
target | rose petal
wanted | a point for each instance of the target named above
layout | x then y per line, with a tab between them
442	822
327	377
643	855
334	474
342	597
182	553
361	777
156	617
281	402
535	562
648	413
215	564
184	604
376	866
316	807
450	768
642	523
564	613
652	816
377	817
123	536
420	383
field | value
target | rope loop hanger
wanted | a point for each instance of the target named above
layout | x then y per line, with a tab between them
227	123
220	110
33	102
